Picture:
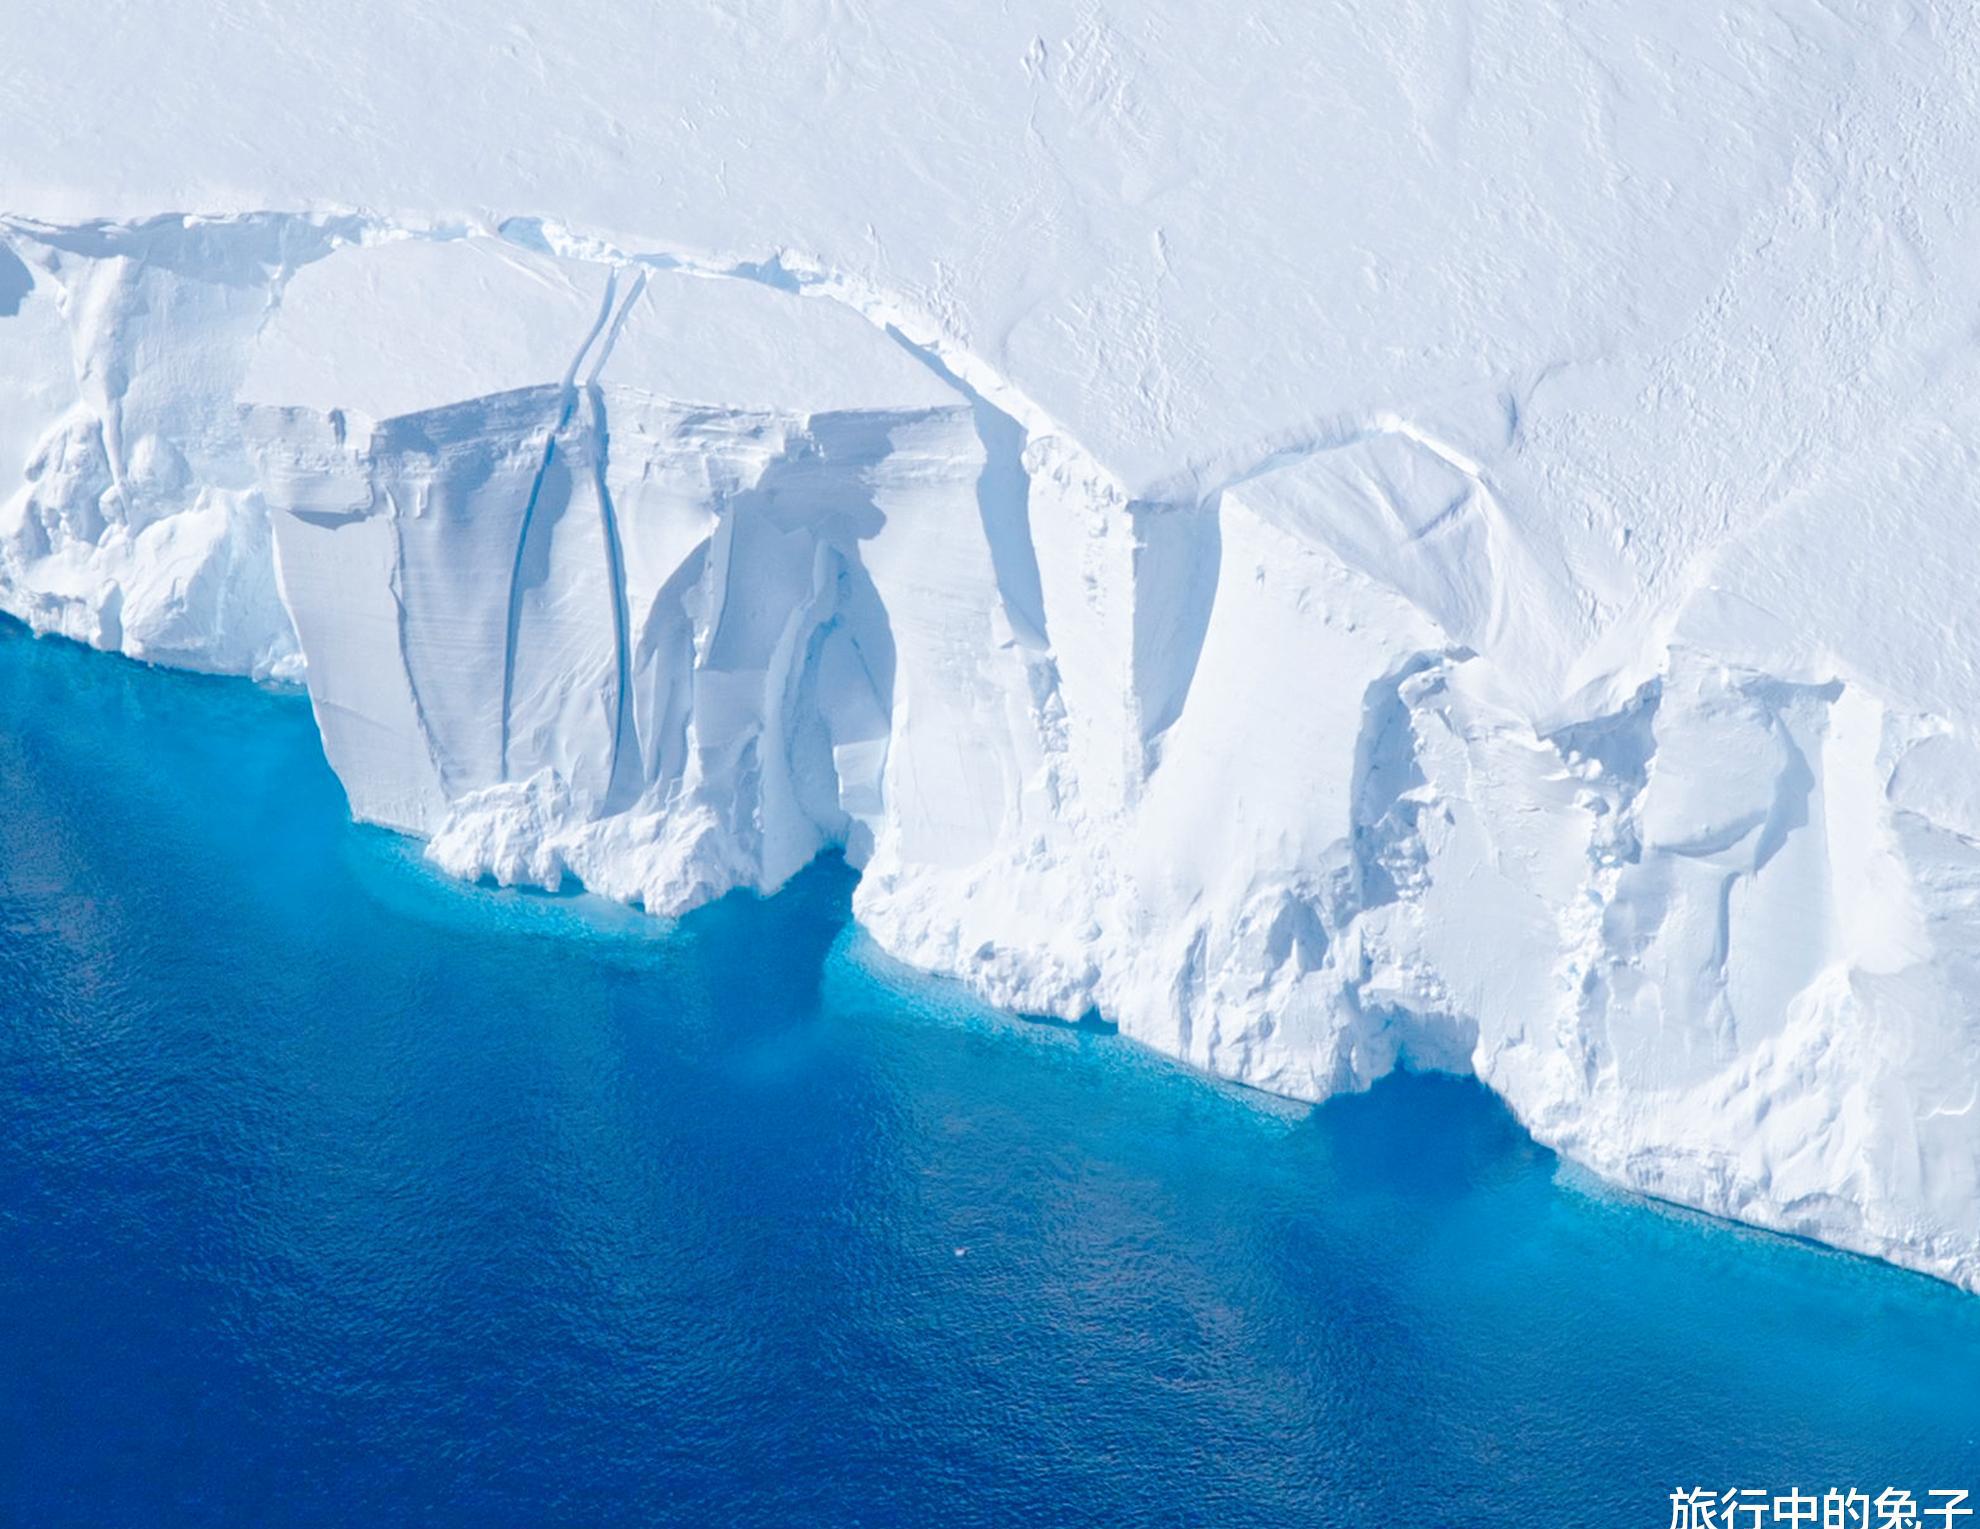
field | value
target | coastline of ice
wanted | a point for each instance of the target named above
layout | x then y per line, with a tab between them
598	564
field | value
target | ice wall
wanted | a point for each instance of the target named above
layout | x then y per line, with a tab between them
666	575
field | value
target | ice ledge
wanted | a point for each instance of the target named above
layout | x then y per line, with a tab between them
667	573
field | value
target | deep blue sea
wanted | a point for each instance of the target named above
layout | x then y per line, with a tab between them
332	1192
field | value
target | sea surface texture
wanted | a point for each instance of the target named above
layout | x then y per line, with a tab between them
332	1192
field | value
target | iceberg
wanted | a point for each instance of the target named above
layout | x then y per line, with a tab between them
1334	552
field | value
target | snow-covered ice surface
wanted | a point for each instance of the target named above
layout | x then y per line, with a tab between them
1334	536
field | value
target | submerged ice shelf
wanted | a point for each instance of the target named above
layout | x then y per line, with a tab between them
667	574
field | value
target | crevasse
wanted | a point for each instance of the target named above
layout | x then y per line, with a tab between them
667	576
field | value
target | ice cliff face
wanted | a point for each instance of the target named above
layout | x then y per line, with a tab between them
597	565
626	593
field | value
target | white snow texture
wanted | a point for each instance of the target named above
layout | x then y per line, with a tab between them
1332	539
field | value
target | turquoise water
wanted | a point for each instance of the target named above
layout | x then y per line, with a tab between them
335	1193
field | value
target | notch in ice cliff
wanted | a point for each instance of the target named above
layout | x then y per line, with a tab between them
666	576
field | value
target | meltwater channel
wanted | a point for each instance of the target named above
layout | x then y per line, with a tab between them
332	1192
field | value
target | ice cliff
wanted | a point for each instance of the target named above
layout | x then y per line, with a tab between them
1503	604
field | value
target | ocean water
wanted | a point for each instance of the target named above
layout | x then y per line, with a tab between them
335	1193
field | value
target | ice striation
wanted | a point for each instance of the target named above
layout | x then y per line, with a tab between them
1505	650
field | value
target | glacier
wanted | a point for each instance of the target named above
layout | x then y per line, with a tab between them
1439	544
